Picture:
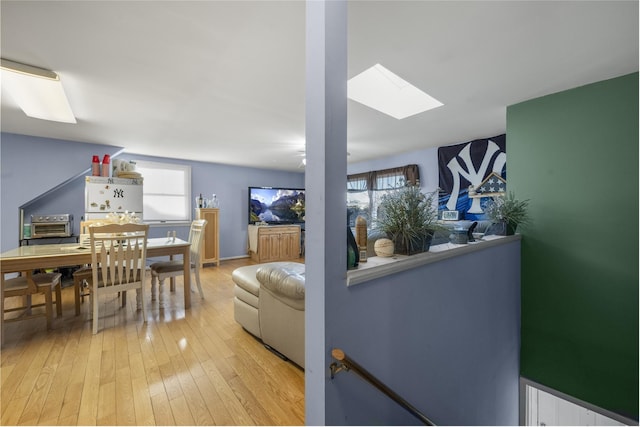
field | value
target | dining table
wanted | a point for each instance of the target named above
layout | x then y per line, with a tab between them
25	259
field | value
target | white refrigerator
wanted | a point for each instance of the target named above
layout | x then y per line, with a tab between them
104	195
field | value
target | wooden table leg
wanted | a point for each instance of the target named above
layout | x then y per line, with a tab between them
2	310
187	277
77	283
172	280
58	291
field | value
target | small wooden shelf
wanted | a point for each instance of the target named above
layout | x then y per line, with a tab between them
210	253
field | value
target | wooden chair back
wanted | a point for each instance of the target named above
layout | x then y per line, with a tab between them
118	261
196	238
84	229
84	225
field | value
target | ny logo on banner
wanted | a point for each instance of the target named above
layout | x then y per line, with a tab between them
463	171
118	193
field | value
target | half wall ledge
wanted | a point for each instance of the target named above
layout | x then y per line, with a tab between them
377	267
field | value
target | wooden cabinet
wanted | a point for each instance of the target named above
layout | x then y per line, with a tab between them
274	242
210	253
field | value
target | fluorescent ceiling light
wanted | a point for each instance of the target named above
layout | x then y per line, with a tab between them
382	90
38	92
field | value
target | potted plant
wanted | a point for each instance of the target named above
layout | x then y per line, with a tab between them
409	218
508	211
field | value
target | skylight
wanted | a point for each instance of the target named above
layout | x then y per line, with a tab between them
382	90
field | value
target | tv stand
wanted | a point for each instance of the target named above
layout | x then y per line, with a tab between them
269	243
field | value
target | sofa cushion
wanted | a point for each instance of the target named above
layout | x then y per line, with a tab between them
166	267
286	282
245	277
247	315
243	295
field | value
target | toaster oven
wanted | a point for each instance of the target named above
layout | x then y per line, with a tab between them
60	225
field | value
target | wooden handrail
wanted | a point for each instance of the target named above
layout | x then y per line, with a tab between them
347	364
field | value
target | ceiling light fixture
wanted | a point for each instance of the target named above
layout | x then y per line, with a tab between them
382	90
37	91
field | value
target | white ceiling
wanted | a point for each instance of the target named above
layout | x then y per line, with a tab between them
223	81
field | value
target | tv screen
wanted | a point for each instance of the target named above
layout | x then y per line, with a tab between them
276	205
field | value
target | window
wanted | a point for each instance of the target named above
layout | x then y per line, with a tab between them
365	190
358	198
166	191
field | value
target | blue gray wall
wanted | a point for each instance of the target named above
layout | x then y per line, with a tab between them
444	336
32	166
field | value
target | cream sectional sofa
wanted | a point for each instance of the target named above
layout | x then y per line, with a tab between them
269	304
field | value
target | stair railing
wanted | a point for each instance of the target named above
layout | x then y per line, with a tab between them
344	363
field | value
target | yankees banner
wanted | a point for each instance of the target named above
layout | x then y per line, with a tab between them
467	165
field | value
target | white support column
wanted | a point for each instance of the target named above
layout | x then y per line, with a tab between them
325	182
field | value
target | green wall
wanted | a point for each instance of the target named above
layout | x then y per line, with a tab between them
574	154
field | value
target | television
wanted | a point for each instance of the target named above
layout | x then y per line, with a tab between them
275	205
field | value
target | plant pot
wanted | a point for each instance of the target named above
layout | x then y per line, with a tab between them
504	228
412	246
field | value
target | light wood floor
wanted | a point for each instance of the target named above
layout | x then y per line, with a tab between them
197	367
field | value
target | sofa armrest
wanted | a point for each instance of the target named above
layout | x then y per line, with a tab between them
285	282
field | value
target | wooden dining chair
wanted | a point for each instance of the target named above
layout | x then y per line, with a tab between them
82	276
28	285
166	269
118	261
